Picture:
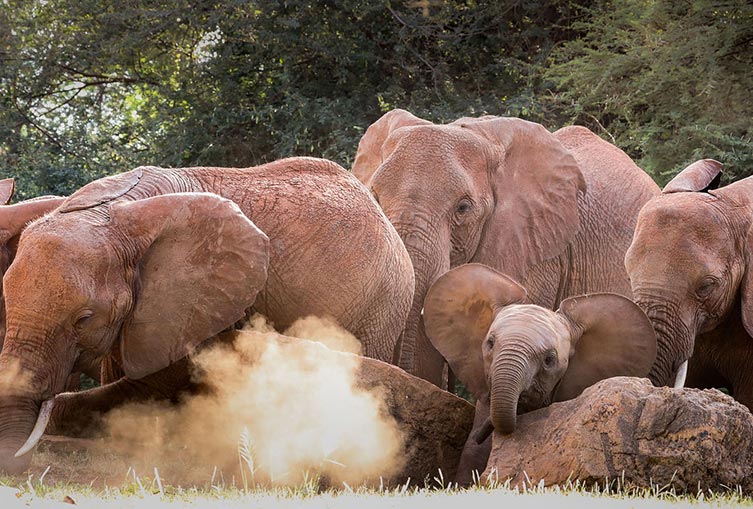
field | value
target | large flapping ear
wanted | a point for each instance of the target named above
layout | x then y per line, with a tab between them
201	264
459	309
370	154
612	336
7	187
102	190
14	218
701	176
536	183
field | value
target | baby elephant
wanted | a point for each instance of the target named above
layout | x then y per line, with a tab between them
515	357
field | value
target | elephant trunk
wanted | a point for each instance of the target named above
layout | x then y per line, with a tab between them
509	377
674	337
17	417
415	352
23	387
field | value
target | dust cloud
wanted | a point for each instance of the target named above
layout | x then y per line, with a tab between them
273	411
14	378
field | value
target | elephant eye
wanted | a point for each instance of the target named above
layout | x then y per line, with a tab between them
550	358
83	318
706	286
463	207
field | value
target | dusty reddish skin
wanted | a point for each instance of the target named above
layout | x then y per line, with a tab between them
13	220
331	252
554	211
689	266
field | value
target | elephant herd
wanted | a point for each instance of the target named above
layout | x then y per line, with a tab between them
446	251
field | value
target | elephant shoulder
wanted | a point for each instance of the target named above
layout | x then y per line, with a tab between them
604	164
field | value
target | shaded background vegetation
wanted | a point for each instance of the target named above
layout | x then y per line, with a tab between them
89	88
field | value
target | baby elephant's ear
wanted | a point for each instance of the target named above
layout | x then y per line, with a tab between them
459	309
612	336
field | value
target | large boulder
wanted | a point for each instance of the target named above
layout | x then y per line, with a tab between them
435	424
624	428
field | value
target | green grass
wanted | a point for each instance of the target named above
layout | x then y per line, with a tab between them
137	491
93	477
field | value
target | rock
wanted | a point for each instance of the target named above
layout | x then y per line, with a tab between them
624	427
435	423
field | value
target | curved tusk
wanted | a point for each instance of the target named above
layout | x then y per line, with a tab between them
480	434
682	372
44	417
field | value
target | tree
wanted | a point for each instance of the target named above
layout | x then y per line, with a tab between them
91	88
667	81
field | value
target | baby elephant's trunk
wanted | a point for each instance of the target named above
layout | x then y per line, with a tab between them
508	376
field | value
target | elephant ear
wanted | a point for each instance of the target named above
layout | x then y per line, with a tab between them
612	336
199	266
370	154
7	187
103	190
701	176
14	218
459	309
536	182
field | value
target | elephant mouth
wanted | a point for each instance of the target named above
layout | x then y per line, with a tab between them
528	402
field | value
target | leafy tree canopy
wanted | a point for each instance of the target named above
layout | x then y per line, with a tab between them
89	88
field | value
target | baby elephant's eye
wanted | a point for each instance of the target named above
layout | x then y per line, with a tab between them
490	341
550	358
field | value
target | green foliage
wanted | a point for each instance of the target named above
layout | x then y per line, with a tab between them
89	88
669	81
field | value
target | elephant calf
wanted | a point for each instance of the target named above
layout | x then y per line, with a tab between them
516	357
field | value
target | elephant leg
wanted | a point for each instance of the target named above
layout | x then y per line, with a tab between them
475	456
80	413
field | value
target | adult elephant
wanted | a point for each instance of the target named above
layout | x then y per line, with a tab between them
554	211
690	270
150	263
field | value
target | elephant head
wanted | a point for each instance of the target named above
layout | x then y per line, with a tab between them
13	220
482	189
689	262
150	278
521	357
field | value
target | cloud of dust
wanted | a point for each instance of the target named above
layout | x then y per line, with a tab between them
275	411
14	378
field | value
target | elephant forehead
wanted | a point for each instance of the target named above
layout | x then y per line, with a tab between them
681	229
697	214
537	324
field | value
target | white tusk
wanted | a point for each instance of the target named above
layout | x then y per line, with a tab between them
422	311
682	372
44	417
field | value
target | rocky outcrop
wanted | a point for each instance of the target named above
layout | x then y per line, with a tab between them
434	423
625	428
